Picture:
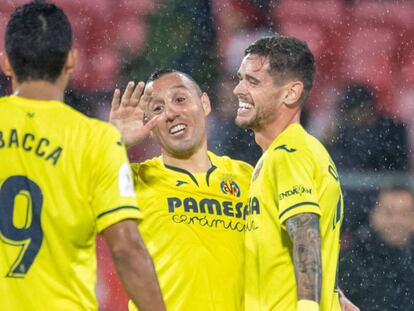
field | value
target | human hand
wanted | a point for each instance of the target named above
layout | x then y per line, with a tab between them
127	113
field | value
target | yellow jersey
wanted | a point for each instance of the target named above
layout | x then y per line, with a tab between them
194	229
295	175
63	178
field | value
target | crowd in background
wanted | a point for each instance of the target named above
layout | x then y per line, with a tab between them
361	106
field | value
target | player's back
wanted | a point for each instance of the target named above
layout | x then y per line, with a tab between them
49	156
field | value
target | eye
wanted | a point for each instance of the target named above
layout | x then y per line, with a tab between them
157	109
180	99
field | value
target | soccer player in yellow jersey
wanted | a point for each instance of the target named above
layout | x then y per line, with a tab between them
295	199
63	178
193	201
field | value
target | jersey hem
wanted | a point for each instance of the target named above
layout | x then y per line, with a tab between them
300	208
117	209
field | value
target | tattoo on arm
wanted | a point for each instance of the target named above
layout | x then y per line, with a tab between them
304	232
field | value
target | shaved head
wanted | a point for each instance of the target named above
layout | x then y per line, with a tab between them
159	73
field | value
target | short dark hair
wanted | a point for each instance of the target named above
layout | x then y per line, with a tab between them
161	72
397	188
38	40
289	58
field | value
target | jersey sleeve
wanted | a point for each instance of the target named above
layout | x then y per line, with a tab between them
113	196
135	171
295	185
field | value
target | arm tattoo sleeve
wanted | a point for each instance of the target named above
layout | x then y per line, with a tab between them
303	230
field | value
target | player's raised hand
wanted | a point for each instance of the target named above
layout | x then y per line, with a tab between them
127	113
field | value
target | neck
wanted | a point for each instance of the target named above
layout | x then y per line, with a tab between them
39	90
197	162
268	133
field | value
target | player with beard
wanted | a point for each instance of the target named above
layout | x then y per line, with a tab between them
295	198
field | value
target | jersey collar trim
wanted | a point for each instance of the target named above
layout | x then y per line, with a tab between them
181	170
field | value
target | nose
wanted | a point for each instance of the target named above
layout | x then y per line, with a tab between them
171	112
239	88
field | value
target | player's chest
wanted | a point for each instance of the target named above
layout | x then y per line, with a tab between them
218	204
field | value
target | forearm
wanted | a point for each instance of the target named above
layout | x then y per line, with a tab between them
138	276
304	232
134	265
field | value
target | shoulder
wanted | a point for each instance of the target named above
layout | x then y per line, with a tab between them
67	113
80	120
139	168
100	135
4	99
231	165
94	131
297	143
101	126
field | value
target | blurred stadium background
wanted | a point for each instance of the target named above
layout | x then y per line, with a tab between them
361	106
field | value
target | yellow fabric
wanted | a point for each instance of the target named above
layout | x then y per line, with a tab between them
194	228
295	175
63	178
307	305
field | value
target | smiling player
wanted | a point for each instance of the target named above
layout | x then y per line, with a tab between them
193	200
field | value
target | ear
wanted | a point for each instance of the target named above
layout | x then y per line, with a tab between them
205	102
71	61
293	93
5	65
373	218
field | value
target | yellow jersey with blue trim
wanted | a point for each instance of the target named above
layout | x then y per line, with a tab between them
194	230
295	175
64	177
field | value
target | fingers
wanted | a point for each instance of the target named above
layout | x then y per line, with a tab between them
136	95
149	125
146	97
133	96
127	94
116	99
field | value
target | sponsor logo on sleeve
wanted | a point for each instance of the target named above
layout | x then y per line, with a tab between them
125	182
257	169
296	190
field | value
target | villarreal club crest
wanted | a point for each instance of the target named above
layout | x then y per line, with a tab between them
229	186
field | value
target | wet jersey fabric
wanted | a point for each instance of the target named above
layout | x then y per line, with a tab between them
64	177
194	229
295	175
